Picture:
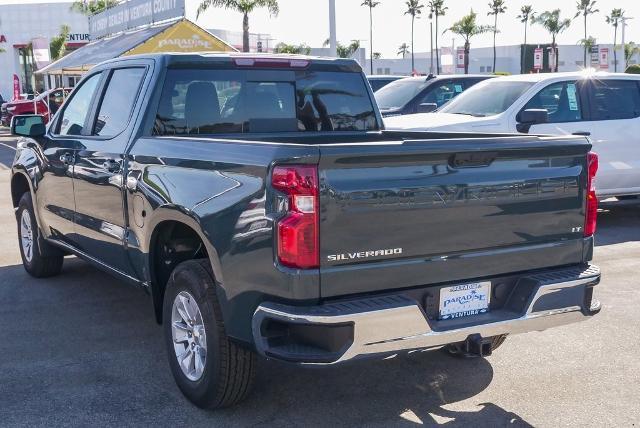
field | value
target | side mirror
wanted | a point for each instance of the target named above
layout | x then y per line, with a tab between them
533	116
427	107
28	125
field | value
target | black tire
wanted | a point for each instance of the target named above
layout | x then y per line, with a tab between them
45	260
228	369
458	349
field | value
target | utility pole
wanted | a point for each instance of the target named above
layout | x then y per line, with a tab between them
333	40
624	25
431	41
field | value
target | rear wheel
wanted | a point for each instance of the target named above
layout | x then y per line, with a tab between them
460	350
39	258
210	370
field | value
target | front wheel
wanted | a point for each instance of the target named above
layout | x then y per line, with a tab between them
38	257
210	370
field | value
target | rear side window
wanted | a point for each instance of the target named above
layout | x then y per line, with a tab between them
240	101
76	110
614	99
117	103
561	100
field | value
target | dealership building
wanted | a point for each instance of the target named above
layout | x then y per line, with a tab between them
23	25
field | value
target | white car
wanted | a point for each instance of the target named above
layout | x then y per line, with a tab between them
603	106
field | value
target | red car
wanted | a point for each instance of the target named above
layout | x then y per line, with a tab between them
37	105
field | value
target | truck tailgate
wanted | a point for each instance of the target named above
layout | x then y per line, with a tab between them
410	213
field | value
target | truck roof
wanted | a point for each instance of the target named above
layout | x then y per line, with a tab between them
258	60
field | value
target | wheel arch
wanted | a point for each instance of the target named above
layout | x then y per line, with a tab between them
181	233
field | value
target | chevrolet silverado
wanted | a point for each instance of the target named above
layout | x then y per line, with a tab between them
264	208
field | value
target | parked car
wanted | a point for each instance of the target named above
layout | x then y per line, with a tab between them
603	106
422	94
37	105
280	219
381	80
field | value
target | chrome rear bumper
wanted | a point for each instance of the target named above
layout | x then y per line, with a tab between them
341	331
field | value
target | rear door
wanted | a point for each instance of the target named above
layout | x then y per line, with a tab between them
614	126
99	169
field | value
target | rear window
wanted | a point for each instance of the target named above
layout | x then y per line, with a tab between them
614	99
202	101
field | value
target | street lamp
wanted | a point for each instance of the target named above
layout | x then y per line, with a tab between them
333	40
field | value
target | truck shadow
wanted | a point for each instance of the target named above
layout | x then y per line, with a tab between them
408	389
101	356
618	222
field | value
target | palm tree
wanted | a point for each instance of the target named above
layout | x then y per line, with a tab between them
552	22
468	27
496	8
403	50
56	45
245	7
588	43
414	8
630	49
614	19
526	14
585	8
91	7
437	9
370	4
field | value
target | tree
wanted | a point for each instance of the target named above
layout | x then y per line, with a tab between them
285	48
437	8
526	14
403	50
245	7
348	50
585	8
377	55
468	27
56	45
92	7
414	8
588	43
630	49
370	4
552	22
496	8
614	20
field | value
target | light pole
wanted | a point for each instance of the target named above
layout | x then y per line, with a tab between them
333	40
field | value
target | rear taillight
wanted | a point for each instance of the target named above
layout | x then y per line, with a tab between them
298	243
592	201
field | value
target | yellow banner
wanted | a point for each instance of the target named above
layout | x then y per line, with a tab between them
183	36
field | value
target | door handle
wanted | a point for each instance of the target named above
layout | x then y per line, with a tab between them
582	133
111	165
66	158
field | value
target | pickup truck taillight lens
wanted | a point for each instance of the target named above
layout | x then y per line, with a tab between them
592	200
298	243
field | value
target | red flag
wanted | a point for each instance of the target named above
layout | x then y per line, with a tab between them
16	87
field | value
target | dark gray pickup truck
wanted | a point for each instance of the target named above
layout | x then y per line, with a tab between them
261	204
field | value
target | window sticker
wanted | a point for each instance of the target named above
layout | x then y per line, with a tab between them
458	88
572	96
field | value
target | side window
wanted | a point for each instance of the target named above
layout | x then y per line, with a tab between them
561	100
442	93
117	103
77	108
614	99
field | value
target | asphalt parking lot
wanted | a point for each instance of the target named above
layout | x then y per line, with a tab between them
83	349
